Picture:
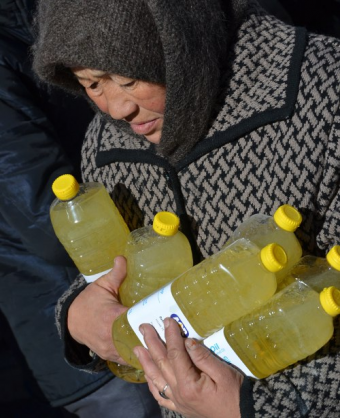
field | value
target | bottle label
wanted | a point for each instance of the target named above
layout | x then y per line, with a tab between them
154	308
218	344
96	276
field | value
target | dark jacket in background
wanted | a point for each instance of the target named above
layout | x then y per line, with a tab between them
320	16
40	136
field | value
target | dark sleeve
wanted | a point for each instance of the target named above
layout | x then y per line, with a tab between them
32	153
30	160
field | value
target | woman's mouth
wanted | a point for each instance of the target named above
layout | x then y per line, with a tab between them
144	128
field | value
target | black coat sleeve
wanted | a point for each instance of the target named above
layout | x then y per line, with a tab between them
31	157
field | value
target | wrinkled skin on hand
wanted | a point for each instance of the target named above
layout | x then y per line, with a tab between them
200	384
92	313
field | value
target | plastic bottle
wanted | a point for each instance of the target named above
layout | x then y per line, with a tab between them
155	255
215	292
264	229
294	324
88	225
317	272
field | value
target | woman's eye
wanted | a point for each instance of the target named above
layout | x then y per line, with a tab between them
93	86
129	84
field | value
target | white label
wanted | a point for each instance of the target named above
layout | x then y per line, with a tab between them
96	276
154	309
218	344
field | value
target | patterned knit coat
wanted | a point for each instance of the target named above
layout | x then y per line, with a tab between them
275	139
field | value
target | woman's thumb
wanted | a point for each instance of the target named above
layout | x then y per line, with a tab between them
114	278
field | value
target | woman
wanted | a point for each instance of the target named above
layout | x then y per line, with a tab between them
213	110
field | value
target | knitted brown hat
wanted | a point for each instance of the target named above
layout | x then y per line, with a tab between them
180	43
118	36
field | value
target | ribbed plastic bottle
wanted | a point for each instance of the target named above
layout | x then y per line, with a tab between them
215	292
155	255
293	325
88	224
264	229
317	272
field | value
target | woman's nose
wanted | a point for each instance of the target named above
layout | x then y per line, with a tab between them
120	106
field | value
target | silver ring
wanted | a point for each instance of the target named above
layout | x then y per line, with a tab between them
162	393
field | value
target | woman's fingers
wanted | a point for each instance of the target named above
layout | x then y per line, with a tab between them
154	363
177	357
196	382
155	379
167	364
152	360
171	360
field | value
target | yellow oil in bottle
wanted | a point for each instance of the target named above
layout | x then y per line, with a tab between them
224	287
154	259
125	339
317	272
263	229
292	326
90	228
155	255
215	292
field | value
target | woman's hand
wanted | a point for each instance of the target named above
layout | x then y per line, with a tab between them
92	313
200	384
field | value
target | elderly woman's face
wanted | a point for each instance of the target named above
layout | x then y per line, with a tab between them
139	103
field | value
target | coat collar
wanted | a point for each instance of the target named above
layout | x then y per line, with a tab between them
261	86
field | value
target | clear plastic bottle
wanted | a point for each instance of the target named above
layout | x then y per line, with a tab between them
294	324
317	272
264	229
211	294
88	224
155	255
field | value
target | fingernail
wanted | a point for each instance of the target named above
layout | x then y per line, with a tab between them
136	351
141	329
166	322
191	344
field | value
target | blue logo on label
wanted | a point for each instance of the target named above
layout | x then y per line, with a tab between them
185	332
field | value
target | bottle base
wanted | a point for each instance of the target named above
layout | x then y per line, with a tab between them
127	373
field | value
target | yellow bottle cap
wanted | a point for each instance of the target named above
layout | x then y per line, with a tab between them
288	218
65	187
166	223
273	257
330	300
333	257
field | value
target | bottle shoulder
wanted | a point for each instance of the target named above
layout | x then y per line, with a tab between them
147	236
140	236
86	191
